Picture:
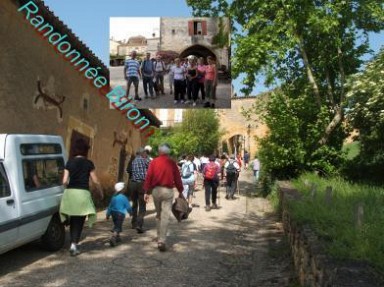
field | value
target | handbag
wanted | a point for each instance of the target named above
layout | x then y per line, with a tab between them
181	209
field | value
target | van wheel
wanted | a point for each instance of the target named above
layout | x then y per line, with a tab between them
54	236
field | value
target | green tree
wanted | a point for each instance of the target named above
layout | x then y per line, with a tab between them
161	136
198	133
366	99
308	48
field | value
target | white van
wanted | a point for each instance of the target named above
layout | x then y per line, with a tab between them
31	171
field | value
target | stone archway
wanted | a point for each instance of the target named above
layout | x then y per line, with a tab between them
233	144
235	125
198	51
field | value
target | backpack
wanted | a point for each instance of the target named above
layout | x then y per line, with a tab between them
186	171
231	170
210	171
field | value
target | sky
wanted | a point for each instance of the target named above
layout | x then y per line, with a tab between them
90	20
122	28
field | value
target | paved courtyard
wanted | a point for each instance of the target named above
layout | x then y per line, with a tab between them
223	93
239	244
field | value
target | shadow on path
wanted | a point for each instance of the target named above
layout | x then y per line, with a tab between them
240	244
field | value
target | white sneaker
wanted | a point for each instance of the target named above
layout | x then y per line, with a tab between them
175	102
186	102
73	250
194	104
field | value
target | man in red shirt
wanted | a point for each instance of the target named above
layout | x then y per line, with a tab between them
162	176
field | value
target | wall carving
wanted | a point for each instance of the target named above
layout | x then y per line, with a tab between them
46	97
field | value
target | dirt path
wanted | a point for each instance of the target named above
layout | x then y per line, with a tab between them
240	244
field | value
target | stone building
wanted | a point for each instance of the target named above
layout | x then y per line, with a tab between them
153	45
238	133
201	37
113	47
42	92
137	43
169	117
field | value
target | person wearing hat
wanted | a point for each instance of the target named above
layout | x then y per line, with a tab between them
148	149
139	206
162	176
118	208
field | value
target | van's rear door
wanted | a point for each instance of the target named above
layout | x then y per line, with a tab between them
9	213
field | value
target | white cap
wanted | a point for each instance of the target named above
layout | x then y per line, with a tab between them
119	186
148	148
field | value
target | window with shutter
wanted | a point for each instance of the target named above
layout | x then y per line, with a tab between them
204	27
190	28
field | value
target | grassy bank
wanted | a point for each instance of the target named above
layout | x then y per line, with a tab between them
335	220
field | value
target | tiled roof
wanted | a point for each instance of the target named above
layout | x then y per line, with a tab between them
137	40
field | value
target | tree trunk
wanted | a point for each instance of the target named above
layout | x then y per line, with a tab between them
339	114
310	75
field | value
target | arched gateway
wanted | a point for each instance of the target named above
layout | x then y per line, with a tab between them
197	36
238	133
198	51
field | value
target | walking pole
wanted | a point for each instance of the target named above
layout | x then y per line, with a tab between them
238	188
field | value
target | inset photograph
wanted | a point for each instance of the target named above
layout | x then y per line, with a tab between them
174	63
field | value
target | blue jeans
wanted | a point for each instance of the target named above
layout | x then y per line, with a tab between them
148	81
118	219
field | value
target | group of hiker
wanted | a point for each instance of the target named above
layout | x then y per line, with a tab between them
147	176
192	80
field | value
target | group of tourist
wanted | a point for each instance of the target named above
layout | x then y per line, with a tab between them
157	177
192	76
146	176
191	80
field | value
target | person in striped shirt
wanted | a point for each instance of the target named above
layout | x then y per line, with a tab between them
132	74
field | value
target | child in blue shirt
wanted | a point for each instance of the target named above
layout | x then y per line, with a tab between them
118	208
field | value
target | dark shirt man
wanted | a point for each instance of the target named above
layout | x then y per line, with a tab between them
148	72
139	168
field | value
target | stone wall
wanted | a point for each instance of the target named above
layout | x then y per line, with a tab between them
314	268
27	58
175	36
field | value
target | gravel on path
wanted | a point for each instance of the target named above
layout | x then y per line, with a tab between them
239	244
